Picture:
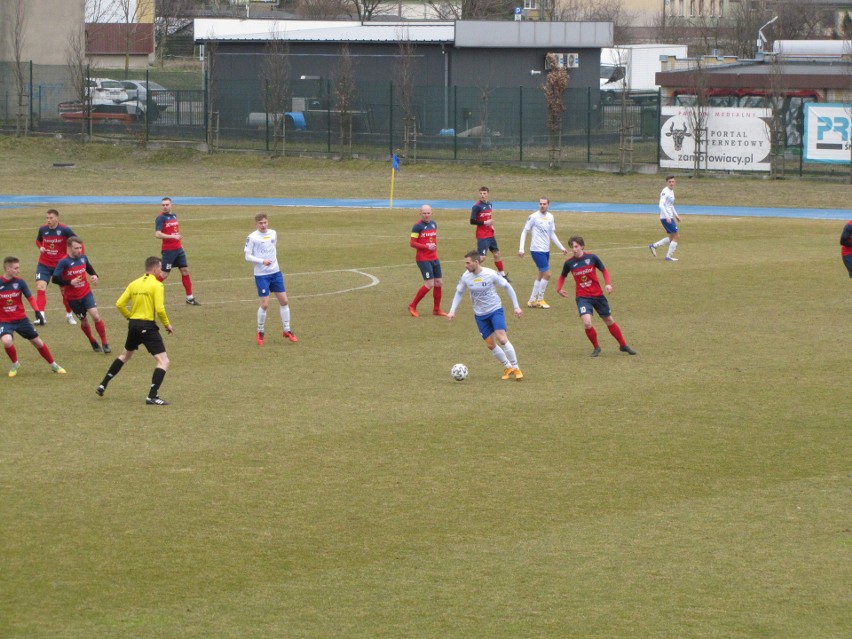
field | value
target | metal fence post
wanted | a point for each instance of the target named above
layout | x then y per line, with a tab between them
30	106
328	113
455	123
390	118
266	114
589	125
520	124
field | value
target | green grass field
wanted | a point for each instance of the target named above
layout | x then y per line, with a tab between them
346	486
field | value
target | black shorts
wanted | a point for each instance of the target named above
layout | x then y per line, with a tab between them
847	260
485	244
587	306
143	332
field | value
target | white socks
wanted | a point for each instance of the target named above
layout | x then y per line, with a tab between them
261	320
509	350
500	355
662	242
538	290
285	317
672	249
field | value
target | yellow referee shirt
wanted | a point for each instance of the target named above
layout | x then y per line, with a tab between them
147	300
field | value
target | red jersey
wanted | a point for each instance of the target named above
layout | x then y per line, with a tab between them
12	295
55	243
846	239
70	268
479	214
168	224
424	233
585	275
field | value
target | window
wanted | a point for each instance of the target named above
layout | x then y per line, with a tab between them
530	5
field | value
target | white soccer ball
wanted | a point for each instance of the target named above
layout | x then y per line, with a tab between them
459	372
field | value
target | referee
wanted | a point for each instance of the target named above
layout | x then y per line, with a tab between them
146	298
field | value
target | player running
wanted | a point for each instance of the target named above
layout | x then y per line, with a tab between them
481	216
167	229
488	310
13	319
72	274
590	297
669	219
52	241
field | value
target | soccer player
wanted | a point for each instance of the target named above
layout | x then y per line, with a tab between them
488	310
167	229
543	228
13	319
72	274
424	240
669	219
846	246
481	216
262	251
590	297
146	297
52	240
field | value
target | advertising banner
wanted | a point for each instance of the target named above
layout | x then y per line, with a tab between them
828	131
733	139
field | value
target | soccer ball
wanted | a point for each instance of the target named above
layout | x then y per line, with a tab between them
459	372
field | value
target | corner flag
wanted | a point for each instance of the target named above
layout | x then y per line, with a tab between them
394	171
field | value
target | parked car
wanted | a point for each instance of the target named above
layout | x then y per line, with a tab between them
137	91
105	91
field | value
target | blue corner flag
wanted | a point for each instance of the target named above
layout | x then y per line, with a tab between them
395	162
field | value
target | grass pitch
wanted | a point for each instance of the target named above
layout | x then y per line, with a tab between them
347	486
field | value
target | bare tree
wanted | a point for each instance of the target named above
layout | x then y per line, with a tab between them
777	123
364	9
594	11
405	74
471	9
78	73
322	9
275	79
554	89
698	112
344	93
17	27
210	58
169	16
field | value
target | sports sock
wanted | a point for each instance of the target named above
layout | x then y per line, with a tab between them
261	320
672	249
500	356
114	369
87	330
592	334
616	333
499	265
662	242
534	294
100	327
187	284
437	293
542	287
285	317
12	352
44	351
510	354
41	300
156	380
421	293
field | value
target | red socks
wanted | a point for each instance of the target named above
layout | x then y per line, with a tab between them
41	300
592	334
616	333
12	353
437	292
44	351
100	327
187	284
421	293
499	266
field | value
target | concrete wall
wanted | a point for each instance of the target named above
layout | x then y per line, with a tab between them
49	24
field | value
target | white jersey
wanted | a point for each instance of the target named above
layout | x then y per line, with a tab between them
483	292
260	247
543	228
667	209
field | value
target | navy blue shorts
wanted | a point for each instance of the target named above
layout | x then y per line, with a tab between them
430	270
671	227
485	244
588	306
267	284
43	273
487	324
847	260
81	306
174	258
23	327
